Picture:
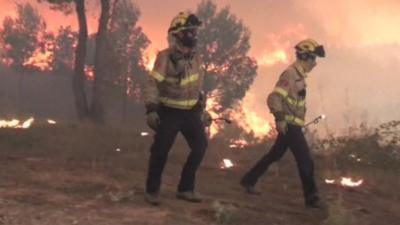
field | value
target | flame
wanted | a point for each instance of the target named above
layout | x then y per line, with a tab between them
348	182
345	182
212	106
149	61
329	181
89	72
40	60
226	164
143	134
251	122
50	121
277	56
14	123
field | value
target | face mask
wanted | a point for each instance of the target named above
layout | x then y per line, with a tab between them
189	39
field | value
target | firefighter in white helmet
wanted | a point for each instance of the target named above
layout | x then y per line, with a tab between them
287	104
175	103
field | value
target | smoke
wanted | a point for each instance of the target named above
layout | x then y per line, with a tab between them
357	82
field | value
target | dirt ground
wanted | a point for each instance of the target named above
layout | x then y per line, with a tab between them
89	176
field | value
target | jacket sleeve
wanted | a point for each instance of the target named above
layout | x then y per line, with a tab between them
156	76
277	98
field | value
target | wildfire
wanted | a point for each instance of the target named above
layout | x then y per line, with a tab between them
50	121
226	164
345	182
14	123
212	106
40	60
89	72
149	61
277	56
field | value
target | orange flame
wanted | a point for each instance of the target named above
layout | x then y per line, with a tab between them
40	60
149	61
89	72
345	182
50	121
226	164
14	123
277	56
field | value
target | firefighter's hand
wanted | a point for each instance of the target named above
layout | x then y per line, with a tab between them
153	120
281	126
206	118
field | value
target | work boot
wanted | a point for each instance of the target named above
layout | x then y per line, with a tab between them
152	198
189	196
250	189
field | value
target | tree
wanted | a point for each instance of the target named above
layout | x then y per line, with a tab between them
224	45
101	68
128	44
22	35
63	52
78	83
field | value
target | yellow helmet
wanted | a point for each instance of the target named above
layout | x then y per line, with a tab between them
309	47
183	21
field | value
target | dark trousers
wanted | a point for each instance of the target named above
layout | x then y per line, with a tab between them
295	140
173	121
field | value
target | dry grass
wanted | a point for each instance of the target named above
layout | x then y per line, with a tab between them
74	175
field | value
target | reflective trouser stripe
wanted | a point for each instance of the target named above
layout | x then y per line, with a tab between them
182	104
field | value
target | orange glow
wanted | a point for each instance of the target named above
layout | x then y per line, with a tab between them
52	122
249	120
14	123
89	72
348	182
345	182
226	164
277	56
149	60
211	107
40	60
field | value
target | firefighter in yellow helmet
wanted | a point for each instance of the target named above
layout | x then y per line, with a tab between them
175	103
287	104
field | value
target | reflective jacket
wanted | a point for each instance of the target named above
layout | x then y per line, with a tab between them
287	100
175	81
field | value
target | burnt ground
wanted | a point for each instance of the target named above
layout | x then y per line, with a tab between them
74	175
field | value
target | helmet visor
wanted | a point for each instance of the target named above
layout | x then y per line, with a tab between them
319	51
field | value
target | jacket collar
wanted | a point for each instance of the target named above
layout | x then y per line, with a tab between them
299	68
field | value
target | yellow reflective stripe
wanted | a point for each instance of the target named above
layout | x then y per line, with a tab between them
189	79
185	81
186	104
158	76
301	103
289	99
296	120
281	91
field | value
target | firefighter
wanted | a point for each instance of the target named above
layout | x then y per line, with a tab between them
175	103
287	104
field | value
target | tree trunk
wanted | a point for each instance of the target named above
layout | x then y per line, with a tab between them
100	65
79	67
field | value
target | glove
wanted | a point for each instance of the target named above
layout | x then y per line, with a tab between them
153	120
281	127
206	118
280	123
